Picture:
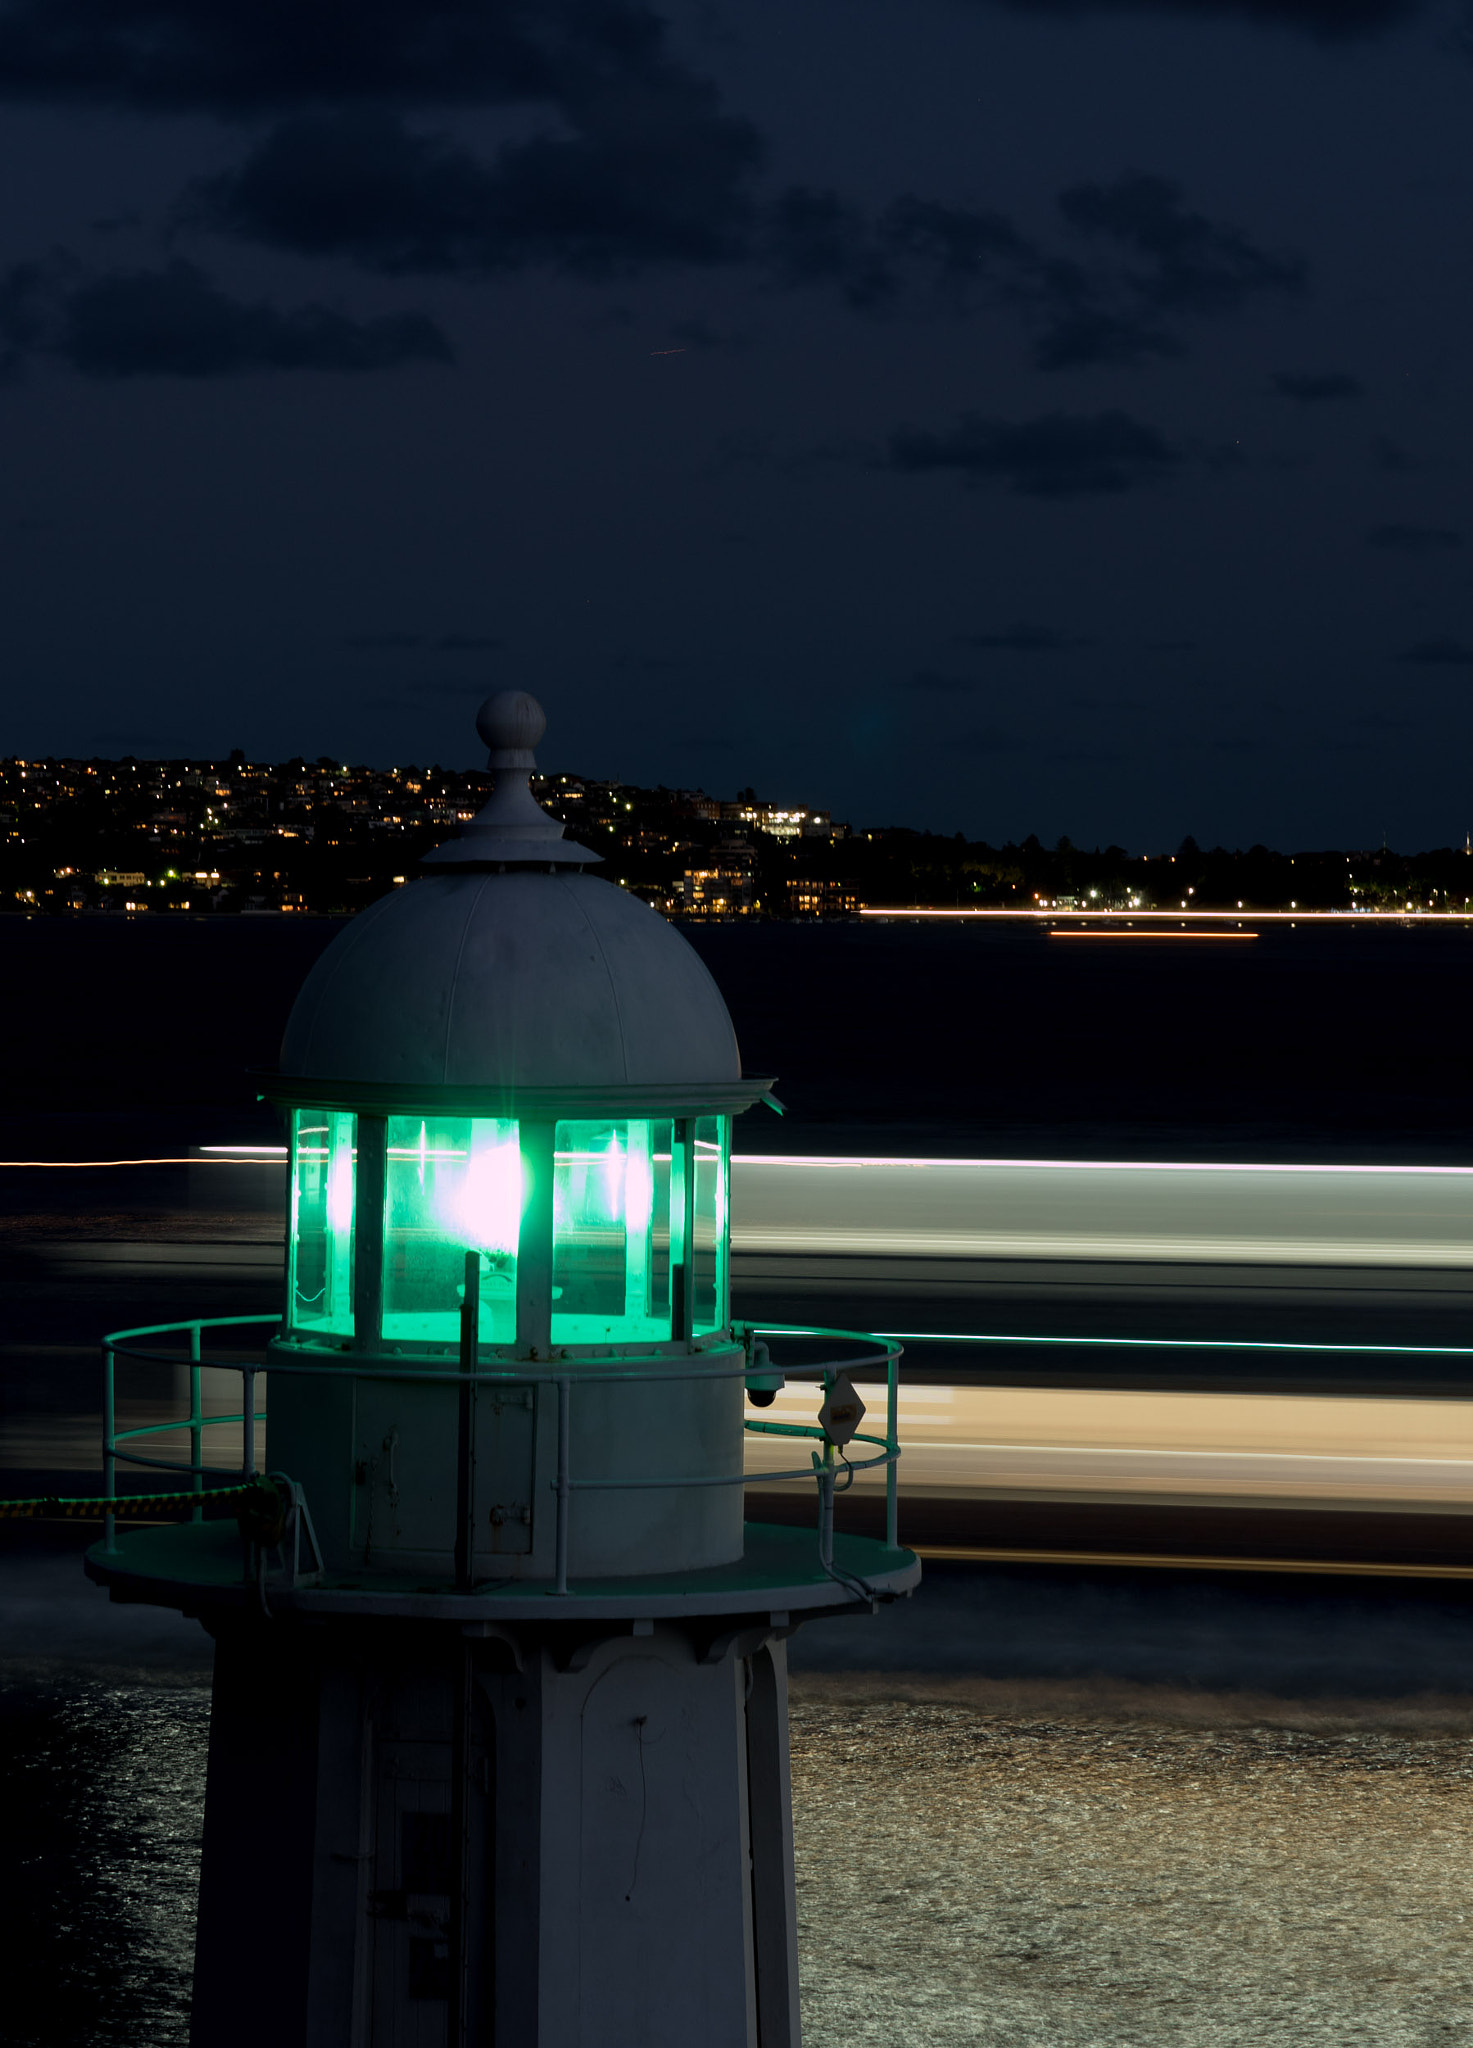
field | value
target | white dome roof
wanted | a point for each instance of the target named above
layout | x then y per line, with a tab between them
511	980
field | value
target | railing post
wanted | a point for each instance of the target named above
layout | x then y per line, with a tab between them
826	1509
248	1422
826	1492
109	1457
564	1405
892	1431
196	1422
465	1441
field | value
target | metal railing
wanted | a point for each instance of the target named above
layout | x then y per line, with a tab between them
826	1467
121	1342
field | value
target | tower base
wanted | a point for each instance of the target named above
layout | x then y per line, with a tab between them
500	1819
416	1838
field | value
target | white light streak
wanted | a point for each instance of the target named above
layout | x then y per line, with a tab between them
835	1161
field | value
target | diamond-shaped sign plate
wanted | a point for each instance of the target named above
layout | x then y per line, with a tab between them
842	1412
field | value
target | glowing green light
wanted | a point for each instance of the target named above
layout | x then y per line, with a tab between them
452	1185
321	1248
340	1180
487	1206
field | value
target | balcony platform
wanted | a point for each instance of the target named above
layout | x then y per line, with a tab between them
199	1567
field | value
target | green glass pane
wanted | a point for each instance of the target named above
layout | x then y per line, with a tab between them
323	1167
611	1232
665	1228
452	1185
709	1213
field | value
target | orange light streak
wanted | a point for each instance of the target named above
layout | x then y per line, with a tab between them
1347	917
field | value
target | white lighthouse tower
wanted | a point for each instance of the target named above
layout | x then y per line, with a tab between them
498	1753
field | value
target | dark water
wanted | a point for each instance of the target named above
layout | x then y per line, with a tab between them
987	1758
104	1784
1312	1040
1290	1638
1312	1043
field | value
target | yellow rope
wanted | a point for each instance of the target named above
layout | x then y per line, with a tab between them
51	1504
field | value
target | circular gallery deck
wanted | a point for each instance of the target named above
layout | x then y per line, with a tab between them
200	1567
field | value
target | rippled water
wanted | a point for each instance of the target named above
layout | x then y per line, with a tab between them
104	1789
1013	1878
977	1863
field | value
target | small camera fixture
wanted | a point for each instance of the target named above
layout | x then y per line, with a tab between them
764	1379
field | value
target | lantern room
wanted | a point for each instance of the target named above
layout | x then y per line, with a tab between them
509	1089
638	1226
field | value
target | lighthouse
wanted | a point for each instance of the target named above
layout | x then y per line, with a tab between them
498	1746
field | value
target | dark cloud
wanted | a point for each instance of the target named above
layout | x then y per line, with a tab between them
1415	540
965	255
1193	264
645	178
1085	335
965	252
1440	654
176	322
468	643
247	57
1023	639
810	237
383	643
1314	386
655	173
657	181
1163	262
1331	20
635	160
637	165
971	257
1058	455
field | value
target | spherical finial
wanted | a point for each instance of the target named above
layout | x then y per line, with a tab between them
511	723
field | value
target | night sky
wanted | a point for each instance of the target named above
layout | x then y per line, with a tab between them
994	415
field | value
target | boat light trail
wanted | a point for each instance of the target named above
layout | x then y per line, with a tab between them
1346	917
837	1161
275	1155
1181	1344
77	1165
1314	1567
